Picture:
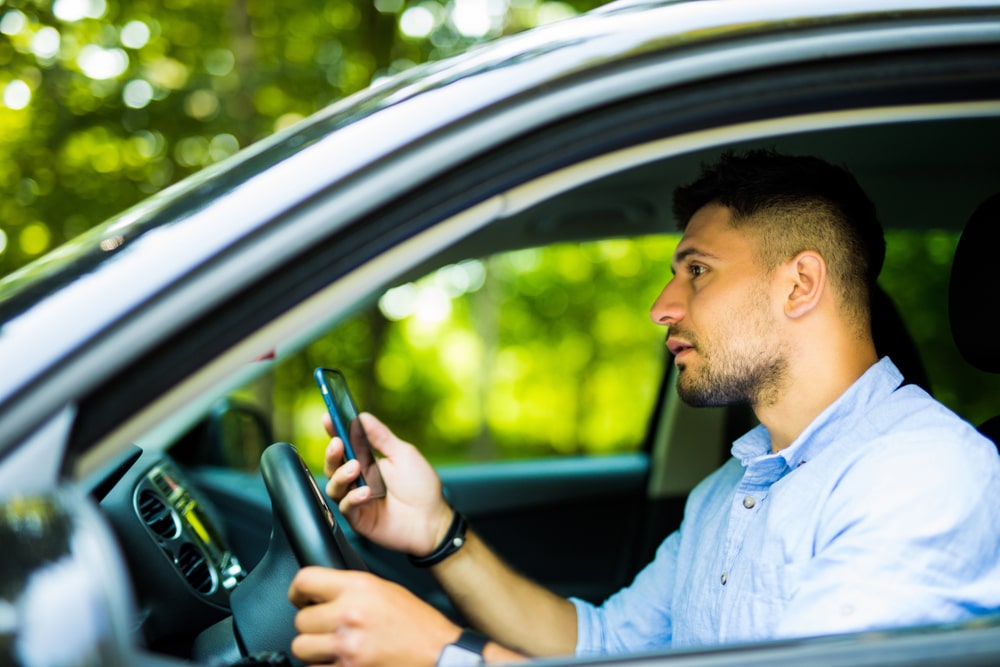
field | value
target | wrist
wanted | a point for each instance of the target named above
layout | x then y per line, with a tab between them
440	525
465	651
452	540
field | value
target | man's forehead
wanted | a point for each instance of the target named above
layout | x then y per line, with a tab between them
692	250
710	235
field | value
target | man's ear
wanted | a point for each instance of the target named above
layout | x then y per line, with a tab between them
806	275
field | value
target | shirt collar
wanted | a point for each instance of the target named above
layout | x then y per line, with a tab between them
876	383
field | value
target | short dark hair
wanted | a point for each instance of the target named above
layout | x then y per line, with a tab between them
795	203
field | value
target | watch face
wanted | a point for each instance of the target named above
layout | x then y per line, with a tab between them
456	656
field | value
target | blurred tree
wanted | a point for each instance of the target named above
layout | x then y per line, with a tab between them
103	102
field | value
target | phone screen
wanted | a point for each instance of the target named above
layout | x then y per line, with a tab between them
346	423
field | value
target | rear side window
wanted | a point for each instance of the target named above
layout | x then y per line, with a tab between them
921	296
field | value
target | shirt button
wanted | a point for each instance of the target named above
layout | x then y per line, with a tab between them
749	502
724	578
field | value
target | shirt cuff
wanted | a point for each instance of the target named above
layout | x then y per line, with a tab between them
589	631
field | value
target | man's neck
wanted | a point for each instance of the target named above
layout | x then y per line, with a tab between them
810	389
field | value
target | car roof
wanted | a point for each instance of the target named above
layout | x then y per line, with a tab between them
437	115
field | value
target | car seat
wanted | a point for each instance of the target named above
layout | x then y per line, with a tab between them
975	282
893	339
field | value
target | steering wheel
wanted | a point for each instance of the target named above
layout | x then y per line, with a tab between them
300	509
303	532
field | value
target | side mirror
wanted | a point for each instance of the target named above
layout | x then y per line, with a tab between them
233	436
64	596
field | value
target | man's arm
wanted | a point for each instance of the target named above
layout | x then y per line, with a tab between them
356	619
505	605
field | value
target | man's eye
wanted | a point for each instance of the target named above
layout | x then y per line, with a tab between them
696	270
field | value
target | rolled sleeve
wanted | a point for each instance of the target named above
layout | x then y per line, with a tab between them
636	618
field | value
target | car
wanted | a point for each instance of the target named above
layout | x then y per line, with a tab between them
142	361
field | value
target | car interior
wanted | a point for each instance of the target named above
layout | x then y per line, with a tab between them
194	520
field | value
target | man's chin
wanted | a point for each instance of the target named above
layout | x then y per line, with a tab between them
690	394
699	396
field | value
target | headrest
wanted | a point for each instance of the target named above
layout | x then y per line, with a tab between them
974	292
892	339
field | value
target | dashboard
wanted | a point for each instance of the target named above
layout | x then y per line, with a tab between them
182	526
192	537
182	566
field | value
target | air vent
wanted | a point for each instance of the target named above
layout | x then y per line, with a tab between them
195	569
157	515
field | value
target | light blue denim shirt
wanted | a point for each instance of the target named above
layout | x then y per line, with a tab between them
884	512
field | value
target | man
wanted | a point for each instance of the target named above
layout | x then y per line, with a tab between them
856	504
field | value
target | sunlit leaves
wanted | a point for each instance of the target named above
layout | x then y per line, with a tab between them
16	95
206	77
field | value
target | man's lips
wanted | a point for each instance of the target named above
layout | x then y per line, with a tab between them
677	346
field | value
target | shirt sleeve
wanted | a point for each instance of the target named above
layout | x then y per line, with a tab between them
910	536
636	618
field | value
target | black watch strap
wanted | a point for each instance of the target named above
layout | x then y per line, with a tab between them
452	542
472	641
466	651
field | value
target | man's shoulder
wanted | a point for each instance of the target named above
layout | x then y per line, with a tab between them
911	413
915	435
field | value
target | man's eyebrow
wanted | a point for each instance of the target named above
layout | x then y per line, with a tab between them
692	251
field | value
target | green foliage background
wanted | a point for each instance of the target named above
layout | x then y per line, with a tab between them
103	102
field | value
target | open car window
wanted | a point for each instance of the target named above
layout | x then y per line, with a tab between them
535	352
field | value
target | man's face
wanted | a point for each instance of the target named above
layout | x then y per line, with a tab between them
722	316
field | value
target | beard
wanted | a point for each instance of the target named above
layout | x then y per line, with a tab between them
732	377
748	368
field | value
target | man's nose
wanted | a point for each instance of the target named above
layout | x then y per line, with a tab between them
668	309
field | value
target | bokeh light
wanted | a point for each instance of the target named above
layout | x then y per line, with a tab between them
77	10
100	63
16	95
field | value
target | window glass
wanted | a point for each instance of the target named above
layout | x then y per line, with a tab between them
922	300
550	351
535	352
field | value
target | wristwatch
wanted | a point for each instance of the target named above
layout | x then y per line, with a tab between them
466	651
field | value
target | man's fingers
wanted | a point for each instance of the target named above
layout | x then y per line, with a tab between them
316	584
334	456
318	650
381	438
341	479
317	618
330	621
354	498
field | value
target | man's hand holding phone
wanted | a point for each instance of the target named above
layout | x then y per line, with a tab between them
356	618
347	425
413	516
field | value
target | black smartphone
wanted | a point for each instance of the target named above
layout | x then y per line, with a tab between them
344	415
